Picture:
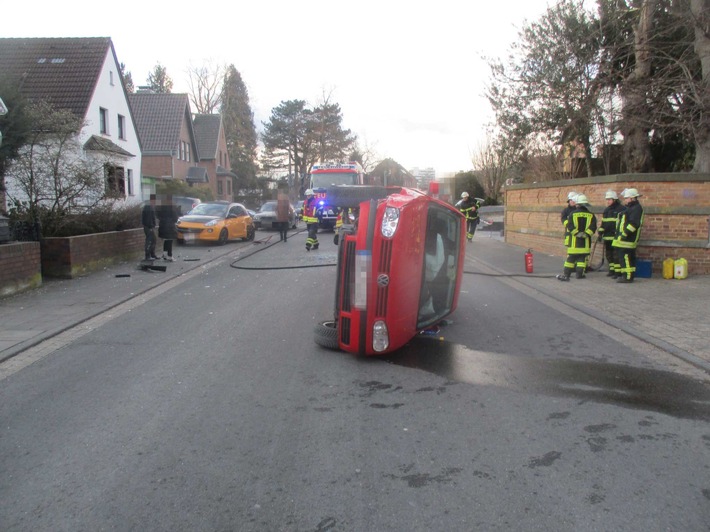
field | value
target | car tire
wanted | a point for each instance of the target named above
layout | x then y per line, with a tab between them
250	233
223	237
325	334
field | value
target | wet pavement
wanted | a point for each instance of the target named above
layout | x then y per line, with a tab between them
669	314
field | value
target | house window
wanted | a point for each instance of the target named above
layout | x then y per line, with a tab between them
220	188
229	187
129	181
103	120
115	181
187	152
121	127
180	151
110	76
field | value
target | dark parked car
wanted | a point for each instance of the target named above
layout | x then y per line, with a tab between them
184	203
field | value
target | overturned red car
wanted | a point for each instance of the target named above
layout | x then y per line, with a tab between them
399	268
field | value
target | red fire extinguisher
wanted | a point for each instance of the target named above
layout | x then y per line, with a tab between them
529	261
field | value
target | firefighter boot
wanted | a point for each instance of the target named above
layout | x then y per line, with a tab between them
580	273
563	277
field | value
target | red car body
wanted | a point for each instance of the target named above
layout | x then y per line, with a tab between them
399	271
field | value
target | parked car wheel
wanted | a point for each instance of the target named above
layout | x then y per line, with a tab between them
250	233
326	334
223	236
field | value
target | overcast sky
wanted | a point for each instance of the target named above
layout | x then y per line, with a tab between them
409	76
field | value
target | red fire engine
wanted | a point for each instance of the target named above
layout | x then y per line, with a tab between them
325	175
399	268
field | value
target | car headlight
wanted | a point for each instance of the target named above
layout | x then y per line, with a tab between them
380	336
389	222
211	223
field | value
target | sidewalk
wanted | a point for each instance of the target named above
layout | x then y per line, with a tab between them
670	314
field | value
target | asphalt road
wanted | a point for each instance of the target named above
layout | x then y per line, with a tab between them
209	407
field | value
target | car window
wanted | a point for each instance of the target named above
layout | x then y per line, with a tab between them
237	210
269	206
210	209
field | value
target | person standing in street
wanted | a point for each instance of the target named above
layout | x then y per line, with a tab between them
628	232
283	210
167	217
148	221
581	226
310	216
607	231
469	208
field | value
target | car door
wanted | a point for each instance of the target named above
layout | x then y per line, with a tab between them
236	222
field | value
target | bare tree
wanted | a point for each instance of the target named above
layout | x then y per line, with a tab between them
700	11
205	84
491	164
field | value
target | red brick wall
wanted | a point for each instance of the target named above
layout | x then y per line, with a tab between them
676	215
77	255
20	267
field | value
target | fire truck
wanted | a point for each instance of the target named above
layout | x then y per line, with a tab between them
326	175
399	268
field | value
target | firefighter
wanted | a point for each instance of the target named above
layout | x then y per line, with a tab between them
607	231
581	226
628	231
566	212
469	208
310	216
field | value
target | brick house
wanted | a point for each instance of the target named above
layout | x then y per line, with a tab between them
177	145
213	156
81	75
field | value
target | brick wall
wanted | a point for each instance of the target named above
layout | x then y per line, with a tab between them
78	255
20	267
676	215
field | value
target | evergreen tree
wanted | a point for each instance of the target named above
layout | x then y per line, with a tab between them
159	81
239	129
127	79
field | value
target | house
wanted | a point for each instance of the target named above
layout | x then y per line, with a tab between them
178	146
213	156
81	74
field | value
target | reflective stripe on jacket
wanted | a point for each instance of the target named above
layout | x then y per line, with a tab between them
581	226
469	208
609	219
310	206
628	229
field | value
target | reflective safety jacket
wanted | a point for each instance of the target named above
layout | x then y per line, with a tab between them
310	208
581	226
609	220
628	229
469	208
564	217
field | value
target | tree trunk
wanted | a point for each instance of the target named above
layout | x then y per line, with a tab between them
635	127
700	10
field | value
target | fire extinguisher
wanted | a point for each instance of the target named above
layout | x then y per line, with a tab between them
529	261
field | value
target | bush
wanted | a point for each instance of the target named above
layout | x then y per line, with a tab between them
100	219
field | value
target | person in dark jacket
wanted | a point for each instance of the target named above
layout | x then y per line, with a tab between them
607	231
168	215
469	208
148	221
581	226
564	215
283	214
628	232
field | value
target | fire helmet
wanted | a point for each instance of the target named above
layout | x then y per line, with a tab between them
631	193
571	196
309	192
464	195
610	194
581	199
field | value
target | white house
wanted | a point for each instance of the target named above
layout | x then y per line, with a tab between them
82	75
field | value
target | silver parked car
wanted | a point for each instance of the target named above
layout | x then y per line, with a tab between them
265	217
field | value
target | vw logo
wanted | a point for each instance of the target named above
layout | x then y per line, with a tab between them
383	280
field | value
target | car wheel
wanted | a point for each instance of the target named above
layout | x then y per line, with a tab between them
250	233
223	236
326	334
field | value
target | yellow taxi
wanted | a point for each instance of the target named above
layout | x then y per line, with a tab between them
215	221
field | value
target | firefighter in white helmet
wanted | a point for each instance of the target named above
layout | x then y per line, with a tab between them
469	208
607	230
581	226
628	232
310	217
566	212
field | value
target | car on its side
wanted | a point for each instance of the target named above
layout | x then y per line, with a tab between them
215	221
265	217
